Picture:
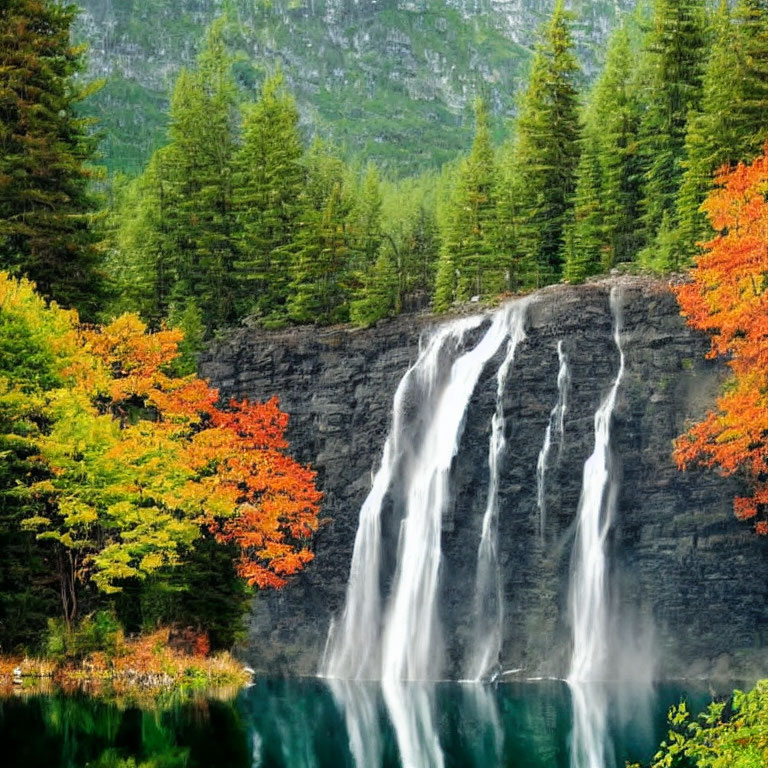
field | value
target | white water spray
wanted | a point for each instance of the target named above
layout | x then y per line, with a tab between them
555	430
588	592
488	603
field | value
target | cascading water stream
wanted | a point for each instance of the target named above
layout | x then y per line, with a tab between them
555	430
488	602
588	591
352	650
411	634
406	658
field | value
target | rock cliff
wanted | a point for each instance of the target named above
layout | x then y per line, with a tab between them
687	579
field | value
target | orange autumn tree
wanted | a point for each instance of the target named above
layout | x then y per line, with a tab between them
728	298
238	479
138	464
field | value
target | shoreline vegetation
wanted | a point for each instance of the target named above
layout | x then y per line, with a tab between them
136	668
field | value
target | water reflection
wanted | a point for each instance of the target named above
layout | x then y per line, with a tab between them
317	724
481	714
359	702
589	739
410	707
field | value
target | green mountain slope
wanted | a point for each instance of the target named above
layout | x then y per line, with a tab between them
390	80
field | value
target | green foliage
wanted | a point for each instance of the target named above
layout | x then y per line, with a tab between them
48	229
674	56
270	177
99	631
730	126
323	246
730	734
204	593
379	294
189	321
472	264
177	242
546	152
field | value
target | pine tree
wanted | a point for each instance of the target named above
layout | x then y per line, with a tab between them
199	161
179	238
367	218
546	149
445	283
417	257
608	179
751	17
322	248
48	230
378	298
144	261
674	54
585	235
468	242
616	121
269	180
731	125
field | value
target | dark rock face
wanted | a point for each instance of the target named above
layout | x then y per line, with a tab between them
687	580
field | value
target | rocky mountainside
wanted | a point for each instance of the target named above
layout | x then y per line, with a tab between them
390	80
685	572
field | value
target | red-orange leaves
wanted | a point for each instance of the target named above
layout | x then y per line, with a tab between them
142	461
728	298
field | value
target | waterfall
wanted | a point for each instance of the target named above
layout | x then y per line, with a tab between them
352	650
555	428
588	592
410	631
399	645
488	602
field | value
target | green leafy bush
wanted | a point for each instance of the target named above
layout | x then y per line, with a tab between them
729	734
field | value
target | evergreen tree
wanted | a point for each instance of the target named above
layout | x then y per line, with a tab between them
521	269
198	163
616	123
468	236
269	181
608	180
323	245
367	218
366	237
674	55
445	282
47	225
145	260
547	150
179	237
378	298
731	125
417	257
585	235
751	17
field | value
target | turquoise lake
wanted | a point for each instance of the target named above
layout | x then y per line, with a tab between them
300	724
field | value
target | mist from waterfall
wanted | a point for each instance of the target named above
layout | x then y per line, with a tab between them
588	597
555	431
488	601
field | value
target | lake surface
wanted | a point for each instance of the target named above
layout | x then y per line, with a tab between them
306	724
